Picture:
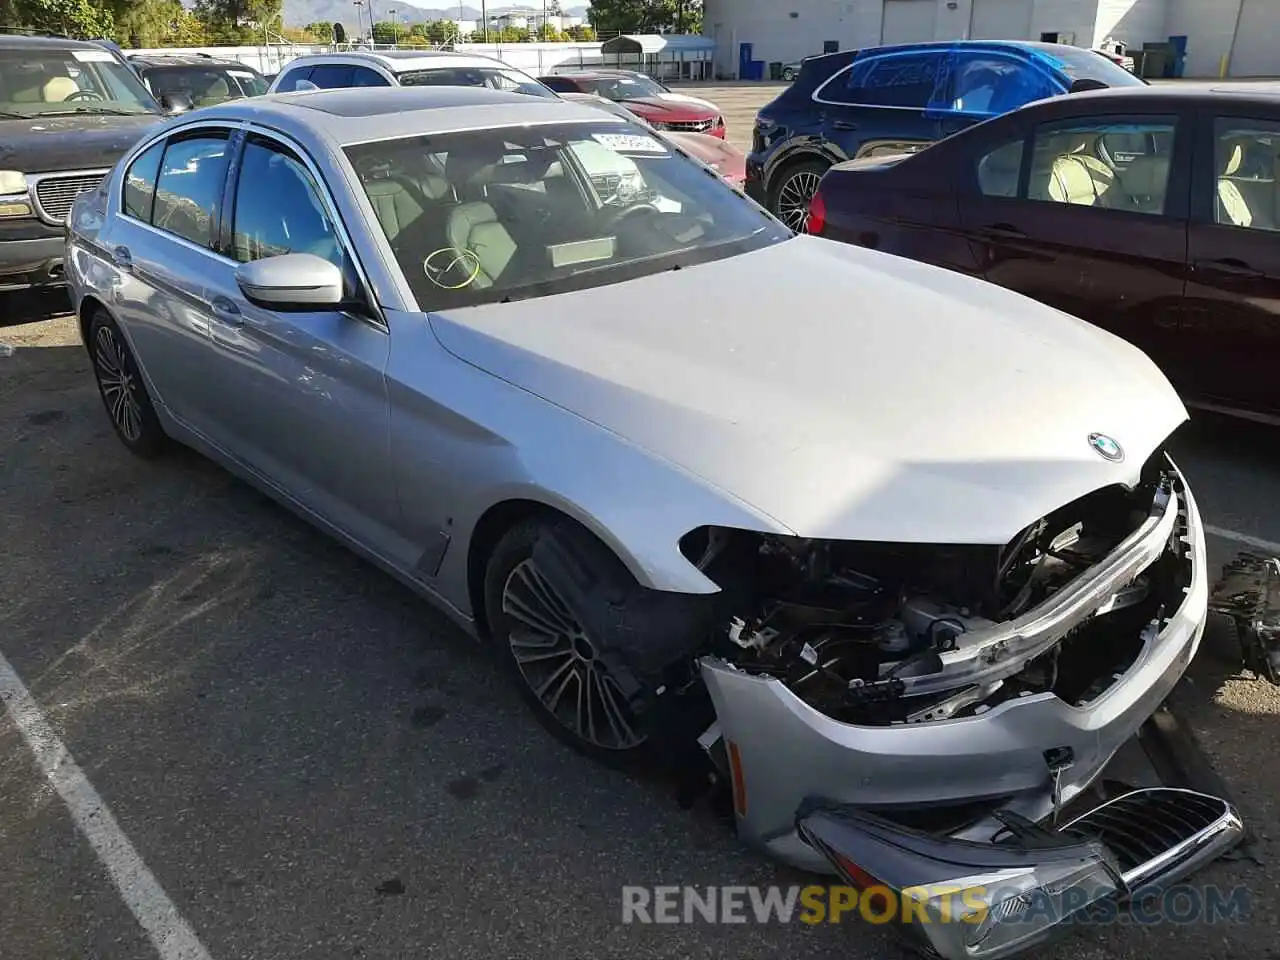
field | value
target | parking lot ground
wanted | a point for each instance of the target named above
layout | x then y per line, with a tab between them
312	763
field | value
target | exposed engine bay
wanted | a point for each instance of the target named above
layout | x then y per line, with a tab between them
880	633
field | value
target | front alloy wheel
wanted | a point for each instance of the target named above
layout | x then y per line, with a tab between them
793	193
560	664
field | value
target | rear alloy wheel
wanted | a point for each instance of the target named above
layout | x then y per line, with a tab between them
559	664
796	186
122	390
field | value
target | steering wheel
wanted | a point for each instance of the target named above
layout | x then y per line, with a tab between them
451	268
83	95
613	219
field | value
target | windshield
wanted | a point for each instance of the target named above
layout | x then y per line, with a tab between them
513	213
1080	64
496	78
45	82
206	85
626	88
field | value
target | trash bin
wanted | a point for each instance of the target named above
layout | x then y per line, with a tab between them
775	70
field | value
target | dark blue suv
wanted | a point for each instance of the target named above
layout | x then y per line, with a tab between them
897	99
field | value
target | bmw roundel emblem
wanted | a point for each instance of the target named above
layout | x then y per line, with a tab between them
1106	447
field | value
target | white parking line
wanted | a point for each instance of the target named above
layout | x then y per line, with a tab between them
172	936
1268	546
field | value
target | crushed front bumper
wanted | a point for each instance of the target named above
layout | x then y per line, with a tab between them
963	900
783	751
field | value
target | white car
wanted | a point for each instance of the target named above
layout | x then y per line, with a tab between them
403	68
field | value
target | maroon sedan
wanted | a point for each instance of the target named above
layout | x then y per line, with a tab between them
1153	212
645	97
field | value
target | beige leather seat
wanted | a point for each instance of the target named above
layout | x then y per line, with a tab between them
58	89
1065	171
475	227
398	207
998	171
1244	201
216	92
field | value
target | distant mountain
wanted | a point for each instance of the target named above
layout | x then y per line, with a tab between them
298	13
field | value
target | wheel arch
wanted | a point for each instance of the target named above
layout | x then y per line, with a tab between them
85	309
807	151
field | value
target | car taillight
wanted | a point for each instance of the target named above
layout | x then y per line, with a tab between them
817	218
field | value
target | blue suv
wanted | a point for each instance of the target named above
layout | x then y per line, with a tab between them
897	99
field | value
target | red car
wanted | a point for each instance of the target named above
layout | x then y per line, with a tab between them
645	97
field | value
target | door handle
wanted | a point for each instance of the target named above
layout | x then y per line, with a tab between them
122	258
1002	231
225	309
843	125
1230	265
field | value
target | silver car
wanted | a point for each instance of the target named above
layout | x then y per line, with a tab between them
895	553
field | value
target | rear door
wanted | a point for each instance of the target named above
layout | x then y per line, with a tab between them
878	104
1231	329
1095	224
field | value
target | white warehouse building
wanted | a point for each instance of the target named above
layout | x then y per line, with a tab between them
1238	38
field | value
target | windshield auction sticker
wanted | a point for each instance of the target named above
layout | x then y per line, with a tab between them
630	143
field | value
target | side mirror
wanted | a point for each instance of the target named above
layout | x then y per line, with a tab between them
174	103
298	282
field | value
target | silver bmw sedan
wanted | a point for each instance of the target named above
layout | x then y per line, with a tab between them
897	554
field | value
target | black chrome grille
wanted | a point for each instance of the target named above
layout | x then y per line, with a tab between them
55	194
689	126
1142	826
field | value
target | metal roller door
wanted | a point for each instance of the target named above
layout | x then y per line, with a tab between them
1257	46
1001	20
908	21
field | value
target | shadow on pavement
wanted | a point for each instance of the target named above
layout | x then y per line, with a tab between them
32	307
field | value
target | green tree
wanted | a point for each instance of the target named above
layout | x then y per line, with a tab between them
322	30
442	31
384	31
74	18
645	16
582	34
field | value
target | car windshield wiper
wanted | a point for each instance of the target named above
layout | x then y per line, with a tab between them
106	111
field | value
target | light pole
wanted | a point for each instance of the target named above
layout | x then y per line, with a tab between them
359	23
395	28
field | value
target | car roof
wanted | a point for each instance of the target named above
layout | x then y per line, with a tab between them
184	60
1261	91
11	41
350	115
589	72
398	61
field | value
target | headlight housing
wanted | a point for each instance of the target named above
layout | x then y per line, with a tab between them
15	201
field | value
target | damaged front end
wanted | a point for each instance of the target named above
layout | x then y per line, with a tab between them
926	717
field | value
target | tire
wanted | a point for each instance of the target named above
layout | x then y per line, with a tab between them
792	189
788	75
572	681
124	395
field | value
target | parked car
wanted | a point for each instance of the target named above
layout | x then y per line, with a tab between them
201	80
790	71
885	100
407	68
645	96
452	327
68	110
1152	213
721	155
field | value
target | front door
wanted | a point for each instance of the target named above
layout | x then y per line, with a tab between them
1096	224
1232	324
305	403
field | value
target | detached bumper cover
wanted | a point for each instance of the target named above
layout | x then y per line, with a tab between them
964	900
785	751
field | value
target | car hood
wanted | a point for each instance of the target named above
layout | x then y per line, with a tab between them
79	142
685	108
845	393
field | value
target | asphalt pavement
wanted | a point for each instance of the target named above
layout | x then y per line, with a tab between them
272	746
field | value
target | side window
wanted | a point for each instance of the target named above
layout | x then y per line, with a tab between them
1093	164
329	76
140	183
990	84
561	84
278	209
289	82
894	80
998	170
1247	162
189	188
364	77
